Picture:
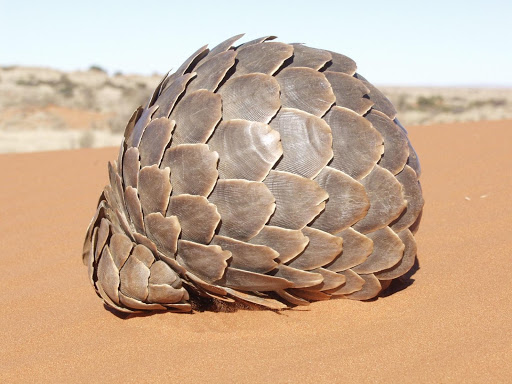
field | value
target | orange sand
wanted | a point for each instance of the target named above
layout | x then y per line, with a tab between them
453	324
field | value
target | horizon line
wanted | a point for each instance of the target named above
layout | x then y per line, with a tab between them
117	72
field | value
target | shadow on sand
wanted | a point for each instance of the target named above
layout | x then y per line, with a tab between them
402	282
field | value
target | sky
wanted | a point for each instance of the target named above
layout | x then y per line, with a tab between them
430	43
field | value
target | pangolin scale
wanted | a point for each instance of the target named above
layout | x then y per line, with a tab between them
268	173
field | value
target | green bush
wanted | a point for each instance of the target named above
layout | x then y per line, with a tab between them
97	68
430	102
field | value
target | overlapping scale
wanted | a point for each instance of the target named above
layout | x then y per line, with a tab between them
381	102
256	41
396	148
138	305
154	140
196	115
369	290
298	200
140	126
287	242
246	256
247	149
347	204
412	193
357	145
305	89
387	251
134	208
163	294
386	200
116	186
120	248
211	73
244	206
321	250
164	285
356	249
332	280
197	217
160	273
171	84
108	275
252	281
306	141
353	283
304	56
253	97
208	262
187	66
164	232
193	169
135	273
101	238
299	277
310	294
169	95
262	57
350	93
131	167
91	234
342	63
413	160
224	46
154	189
151	100
291	299
252	299
406	262
128	131
254	172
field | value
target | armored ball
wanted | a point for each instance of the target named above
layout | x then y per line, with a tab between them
266	173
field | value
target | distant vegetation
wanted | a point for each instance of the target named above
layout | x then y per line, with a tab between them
434	105
46	98
97	68
430	102
94	101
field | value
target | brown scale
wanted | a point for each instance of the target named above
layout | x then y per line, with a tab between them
269	174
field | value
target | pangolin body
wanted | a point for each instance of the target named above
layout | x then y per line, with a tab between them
267	173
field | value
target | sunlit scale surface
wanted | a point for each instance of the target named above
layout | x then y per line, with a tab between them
267	173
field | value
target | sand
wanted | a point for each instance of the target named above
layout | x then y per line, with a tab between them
452	324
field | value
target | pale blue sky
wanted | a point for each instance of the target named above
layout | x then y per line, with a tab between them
393	42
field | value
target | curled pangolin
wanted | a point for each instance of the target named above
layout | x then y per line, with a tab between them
267	173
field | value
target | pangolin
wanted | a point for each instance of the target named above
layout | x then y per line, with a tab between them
266	173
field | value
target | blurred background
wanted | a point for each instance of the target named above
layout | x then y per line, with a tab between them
71	73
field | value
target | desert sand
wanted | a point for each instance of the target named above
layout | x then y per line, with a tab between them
451	322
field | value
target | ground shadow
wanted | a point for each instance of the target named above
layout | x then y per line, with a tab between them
402	282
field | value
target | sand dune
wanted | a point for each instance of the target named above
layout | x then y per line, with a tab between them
452	324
